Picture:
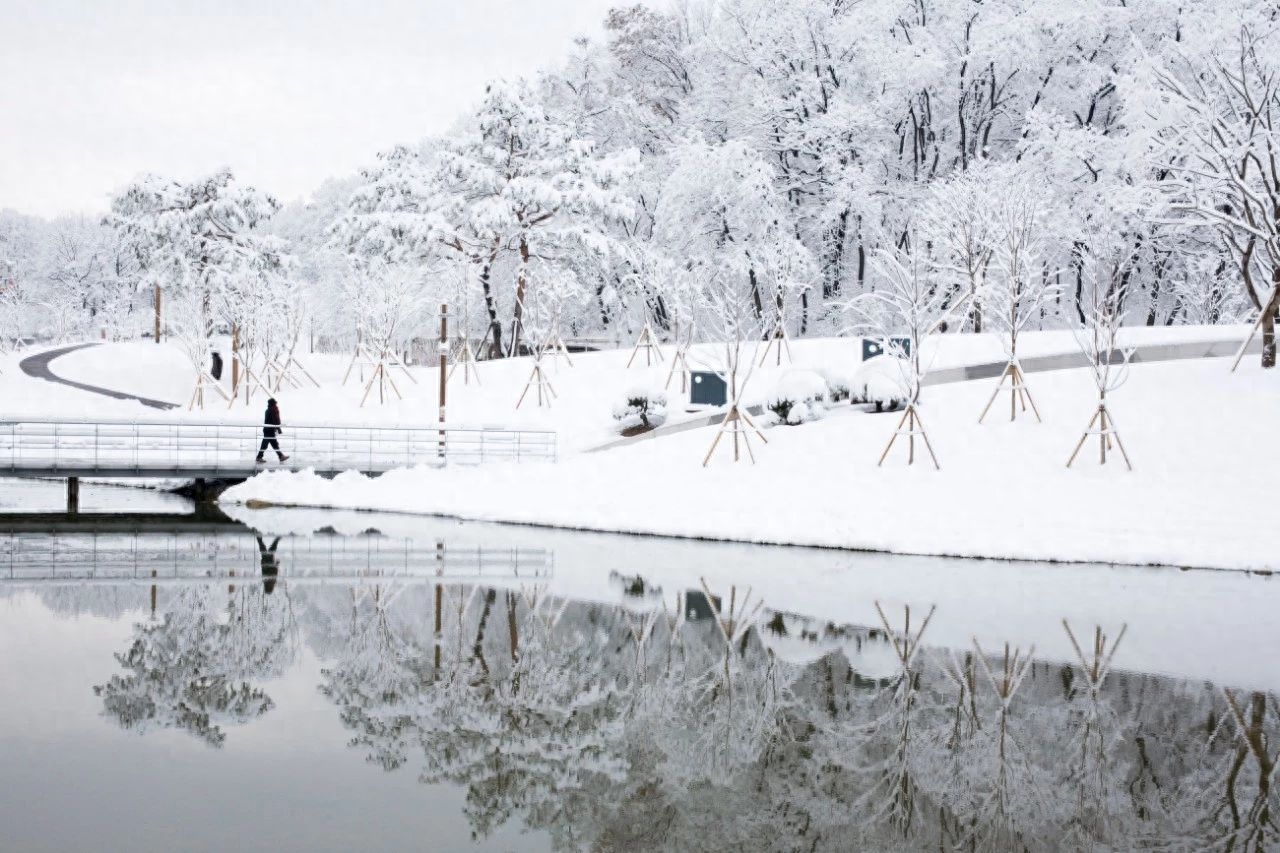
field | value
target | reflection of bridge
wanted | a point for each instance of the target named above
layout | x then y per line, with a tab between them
229	553
204	450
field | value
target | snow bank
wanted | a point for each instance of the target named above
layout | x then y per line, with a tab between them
1199	495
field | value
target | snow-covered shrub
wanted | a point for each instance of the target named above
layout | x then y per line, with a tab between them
641	407
881	380
800	396
839	385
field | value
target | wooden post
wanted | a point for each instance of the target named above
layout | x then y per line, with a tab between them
443	350
235	358
157	313
73	495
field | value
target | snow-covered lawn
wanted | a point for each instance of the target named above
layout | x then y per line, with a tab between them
581	413
1197	434
1199	495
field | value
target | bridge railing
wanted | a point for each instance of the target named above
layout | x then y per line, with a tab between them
176	446
172	558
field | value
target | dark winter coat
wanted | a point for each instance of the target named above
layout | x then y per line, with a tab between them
272	421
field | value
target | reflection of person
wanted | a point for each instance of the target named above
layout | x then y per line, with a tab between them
270	566
271	429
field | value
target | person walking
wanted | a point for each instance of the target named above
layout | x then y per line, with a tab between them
271	429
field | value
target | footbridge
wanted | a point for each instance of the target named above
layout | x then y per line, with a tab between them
203	450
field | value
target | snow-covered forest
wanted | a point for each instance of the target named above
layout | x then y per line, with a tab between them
717	166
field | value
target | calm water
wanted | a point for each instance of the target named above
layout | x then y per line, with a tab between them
346	681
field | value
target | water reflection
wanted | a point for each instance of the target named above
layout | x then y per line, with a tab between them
197	666
702	718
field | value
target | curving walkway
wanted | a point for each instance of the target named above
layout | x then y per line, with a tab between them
37	367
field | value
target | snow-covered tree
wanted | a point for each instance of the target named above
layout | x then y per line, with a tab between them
205	239
1216	130
722	220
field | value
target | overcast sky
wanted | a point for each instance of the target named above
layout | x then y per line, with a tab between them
286	92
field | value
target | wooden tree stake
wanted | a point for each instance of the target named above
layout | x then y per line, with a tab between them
538	379
779	339
679	363
914	426
647	341
1105	432
739	424
1018	392
466	358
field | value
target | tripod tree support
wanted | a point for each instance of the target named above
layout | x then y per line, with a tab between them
679	363
553	345
466	359
1106	431
781	340
203	379
538	380
738	423
648	342
1018	392
910	426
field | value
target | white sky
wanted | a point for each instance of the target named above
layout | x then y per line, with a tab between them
286	92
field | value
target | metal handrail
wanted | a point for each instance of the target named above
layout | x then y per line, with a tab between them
147	446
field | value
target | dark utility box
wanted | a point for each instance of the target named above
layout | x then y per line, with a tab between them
901	347
707	388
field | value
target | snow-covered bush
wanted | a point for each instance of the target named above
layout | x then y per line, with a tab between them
641	407
839	384
881	380
800	396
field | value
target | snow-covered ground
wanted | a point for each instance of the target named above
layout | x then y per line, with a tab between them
581	413
1197	435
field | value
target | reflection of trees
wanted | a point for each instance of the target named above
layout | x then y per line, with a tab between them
1229	801
522	708
192	670
650	727
619	728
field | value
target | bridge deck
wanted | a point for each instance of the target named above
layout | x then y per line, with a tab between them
59	469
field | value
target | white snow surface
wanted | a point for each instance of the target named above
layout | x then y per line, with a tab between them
1198	495
1196	434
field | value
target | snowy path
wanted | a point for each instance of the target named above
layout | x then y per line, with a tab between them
37	367
1142	354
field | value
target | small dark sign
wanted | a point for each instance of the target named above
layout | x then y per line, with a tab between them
697	606
901	347
708	389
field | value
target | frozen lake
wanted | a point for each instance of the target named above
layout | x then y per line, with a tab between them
337	681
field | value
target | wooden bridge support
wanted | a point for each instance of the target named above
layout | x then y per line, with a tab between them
73	494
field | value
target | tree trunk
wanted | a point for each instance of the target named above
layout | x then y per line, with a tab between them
491	307
835	257
658	309
1269	323
522	282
